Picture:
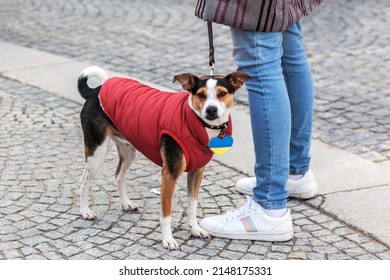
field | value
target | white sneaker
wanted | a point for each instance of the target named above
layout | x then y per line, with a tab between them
250	222
303	188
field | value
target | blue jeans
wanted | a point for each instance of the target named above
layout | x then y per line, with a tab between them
280	96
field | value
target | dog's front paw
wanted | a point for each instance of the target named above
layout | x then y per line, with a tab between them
127	205
88	214
171	244
199	232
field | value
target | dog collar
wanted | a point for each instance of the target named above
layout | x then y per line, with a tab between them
222	127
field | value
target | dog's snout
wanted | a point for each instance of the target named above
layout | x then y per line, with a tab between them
211	112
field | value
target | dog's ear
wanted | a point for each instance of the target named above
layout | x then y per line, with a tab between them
187	81
237	79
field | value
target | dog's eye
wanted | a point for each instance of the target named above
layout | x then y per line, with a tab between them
222	93
201	95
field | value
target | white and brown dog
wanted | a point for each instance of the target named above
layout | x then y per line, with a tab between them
171	129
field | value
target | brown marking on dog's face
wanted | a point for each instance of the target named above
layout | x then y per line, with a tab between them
199	98
225	96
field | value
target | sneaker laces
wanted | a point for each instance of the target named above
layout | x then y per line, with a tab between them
240	212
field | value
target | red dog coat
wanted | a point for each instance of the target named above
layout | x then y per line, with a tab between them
143	114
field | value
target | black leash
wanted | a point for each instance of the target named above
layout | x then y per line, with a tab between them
211	48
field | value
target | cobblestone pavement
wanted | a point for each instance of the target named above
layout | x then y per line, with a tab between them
41	157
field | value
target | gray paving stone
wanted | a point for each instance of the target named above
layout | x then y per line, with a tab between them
331	238
197	257
338	257
312	227
12	254
260	250
367	257
208	252
358	238
152	253
276	256
10	245
331	225
325	249
344	244
35	240
54	256
374	247
96	252
231	255
343	231
281	248
83	245
70	251
239	246
298	255
302	248
45	247
82	256
98	240
384	255
316	256
29	232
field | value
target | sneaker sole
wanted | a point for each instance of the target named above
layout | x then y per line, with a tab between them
280	237
305	195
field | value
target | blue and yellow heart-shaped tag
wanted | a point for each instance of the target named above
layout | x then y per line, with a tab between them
221	145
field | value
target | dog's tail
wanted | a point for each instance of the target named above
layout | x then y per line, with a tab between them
82	83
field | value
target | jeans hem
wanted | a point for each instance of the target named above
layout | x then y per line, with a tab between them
299	171
273	205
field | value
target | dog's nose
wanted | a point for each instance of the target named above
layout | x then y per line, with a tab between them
211	112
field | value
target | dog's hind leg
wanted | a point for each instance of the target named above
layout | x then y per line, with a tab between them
126	153
92	166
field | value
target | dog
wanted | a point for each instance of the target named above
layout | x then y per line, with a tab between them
180	125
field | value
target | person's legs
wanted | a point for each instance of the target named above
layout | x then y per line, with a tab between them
265	216
298	79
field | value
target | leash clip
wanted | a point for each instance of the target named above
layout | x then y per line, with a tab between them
223	131
211	69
